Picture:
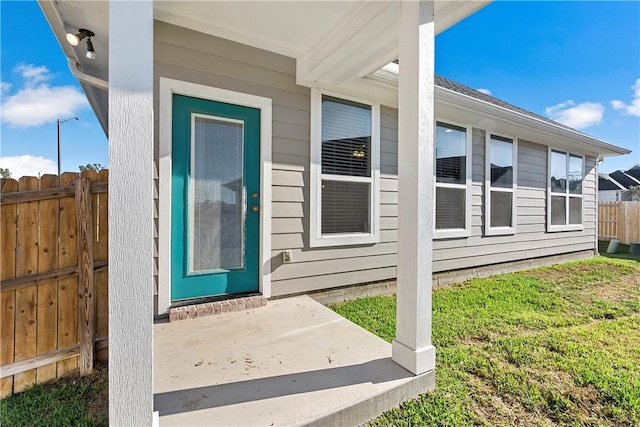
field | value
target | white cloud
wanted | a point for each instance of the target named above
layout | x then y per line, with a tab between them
37	102
485	91
33	74
4	88
577	116
28	165
632	109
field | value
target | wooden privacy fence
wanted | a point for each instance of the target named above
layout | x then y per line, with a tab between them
53	277
619	220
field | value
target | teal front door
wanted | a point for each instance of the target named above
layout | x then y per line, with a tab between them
215	206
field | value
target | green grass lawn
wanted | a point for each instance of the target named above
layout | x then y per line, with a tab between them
555	345
70	401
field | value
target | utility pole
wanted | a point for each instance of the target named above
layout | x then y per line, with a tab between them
59	164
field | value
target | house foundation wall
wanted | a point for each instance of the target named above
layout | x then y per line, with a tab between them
443	279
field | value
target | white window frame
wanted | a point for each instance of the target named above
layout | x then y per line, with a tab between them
567	194
496	231
448	233
316	238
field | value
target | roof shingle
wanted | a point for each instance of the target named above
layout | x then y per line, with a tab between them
445	83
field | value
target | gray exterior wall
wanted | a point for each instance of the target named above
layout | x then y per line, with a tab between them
186	55
531	239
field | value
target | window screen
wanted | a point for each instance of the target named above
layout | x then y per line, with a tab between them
501	209
345	207
450	208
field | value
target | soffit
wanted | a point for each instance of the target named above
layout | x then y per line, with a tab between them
291	28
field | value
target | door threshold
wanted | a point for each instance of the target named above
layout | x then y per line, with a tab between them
217	305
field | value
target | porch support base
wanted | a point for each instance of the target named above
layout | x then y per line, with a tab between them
415	361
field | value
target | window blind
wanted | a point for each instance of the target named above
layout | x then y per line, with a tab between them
450	208
346	137
345	207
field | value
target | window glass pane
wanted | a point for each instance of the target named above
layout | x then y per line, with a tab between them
346	137
501	155
450	208
501	209
575	175
451	154
575	210
216	218
558	215
558	179
345	207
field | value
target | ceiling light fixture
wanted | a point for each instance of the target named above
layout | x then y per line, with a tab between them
75	39
91	53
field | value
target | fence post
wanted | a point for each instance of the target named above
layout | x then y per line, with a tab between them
86	318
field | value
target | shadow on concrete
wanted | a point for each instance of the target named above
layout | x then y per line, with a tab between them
374	371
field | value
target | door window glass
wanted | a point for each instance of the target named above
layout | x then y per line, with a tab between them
216	195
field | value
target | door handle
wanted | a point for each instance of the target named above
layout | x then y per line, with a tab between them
255	208
255	195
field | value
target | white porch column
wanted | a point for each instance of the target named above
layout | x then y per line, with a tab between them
412	347
130	212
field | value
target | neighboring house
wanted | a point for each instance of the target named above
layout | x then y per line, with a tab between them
634	171
610	190
268	137
614	187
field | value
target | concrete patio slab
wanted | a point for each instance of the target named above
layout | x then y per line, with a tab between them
293	362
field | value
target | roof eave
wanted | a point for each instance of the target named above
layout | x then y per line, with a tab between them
52	16
594	145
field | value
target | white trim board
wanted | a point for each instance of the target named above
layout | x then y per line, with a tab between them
169	87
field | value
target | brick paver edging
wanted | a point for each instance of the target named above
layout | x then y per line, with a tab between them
218	307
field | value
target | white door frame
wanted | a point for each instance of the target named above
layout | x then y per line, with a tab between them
168	88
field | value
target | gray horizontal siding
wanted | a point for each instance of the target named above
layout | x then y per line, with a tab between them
187	55
190	56
531	238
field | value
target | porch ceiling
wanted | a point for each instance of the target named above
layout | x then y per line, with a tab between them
337	44
295	28
268	25
334	42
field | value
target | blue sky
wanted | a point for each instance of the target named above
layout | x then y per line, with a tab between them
564	60
42	90
575	62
